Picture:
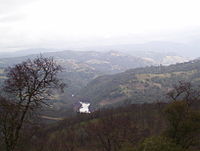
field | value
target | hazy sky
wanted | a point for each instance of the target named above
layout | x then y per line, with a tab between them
71	23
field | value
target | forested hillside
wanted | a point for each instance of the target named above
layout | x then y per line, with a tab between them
149	127
142	85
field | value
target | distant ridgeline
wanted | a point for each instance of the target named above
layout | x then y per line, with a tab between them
142	85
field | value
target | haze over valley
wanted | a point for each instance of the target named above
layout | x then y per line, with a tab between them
109	75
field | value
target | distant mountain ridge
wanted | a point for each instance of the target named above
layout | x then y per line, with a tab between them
188	50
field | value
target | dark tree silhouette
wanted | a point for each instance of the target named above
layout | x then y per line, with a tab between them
184	91
30	84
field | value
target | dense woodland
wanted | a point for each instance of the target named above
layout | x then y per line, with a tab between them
150	127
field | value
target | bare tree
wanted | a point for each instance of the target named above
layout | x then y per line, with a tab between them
184	91
30	84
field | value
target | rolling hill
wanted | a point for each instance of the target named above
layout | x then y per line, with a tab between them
141	85
82	67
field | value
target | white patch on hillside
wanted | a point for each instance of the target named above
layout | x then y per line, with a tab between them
84	107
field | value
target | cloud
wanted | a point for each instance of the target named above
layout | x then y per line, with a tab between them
34	23
7	6
12	18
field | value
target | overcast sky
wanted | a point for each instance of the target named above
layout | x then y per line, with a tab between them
71	23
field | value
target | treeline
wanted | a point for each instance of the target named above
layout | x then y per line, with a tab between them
150	127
